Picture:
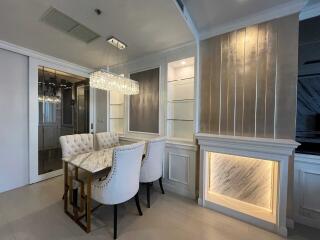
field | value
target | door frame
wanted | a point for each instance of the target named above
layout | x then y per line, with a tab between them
34	111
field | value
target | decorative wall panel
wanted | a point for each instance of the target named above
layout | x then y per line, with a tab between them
248	80
144	107
245	179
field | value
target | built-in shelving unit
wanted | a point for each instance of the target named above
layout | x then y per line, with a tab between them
116	117
181	100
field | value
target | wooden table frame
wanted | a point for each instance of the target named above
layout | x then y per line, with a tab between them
75	216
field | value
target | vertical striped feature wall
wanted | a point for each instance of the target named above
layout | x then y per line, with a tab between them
249	80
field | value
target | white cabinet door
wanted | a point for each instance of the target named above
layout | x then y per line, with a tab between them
307	189
179	169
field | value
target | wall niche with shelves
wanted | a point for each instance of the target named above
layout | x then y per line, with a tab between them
181	100
116	112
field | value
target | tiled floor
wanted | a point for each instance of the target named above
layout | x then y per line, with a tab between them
36	213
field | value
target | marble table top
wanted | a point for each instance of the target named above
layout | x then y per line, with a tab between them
93	161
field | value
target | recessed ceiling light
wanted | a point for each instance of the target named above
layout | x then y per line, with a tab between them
116	43
183	62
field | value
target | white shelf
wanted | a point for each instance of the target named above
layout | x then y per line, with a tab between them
181	79
180	129
180	104
181	120
181	100
116	116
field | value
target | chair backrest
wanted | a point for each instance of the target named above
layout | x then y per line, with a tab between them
76	144
122	182
107	140
151	169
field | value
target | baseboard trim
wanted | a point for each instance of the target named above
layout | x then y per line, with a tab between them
290	223
177	189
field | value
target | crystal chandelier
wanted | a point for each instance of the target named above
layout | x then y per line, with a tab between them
105	80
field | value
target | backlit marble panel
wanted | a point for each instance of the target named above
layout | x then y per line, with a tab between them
246	179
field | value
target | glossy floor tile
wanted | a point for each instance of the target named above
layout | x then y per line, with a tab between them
35	212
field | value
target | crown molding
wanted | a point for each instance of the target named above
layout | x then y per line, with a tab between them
188	19
35	54
154	54
310	11
282	10
268	146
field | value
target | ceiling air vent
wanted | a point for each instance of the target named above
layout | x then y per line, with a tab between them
64	23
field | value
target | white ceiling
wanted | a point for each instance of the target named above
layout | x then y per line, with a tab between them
210	14
146	26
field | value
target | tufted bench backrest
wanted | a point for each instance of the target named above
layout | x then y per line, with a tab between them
107	140
76	144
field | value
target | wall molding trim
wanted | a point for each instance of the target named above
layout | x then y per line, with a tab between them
158	54
41	56
290	223
271	148
306	188
187	159
282	10
173	188
310	12
181	145
307	158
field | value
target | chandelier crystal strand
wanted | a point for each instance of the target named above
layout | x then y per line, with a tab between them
111	82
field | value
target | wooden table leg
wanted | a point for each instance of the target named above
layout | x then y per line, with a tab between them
88	200
75	195
66	186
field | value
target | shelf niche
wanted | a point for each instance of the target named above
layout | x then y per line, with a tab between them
116	117
180	100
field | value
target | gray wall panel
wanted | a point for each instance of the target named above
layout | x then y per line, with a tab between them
206	62
252	80
144	107
261	81
224	80
231	83
239	90
215	87
287	72
270	80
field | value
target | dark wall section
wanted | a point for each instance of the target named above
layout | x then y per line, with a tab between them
144	107
308	114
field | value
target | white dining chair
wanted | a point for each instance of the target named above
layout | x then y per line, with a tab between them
107	140
72	145
75	144
151	169
122	182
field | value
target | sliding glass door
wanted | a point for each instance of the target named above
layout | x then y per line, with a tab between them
63	101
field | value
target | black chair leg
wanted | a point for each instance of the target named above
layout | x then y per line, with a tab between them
115	222
136	198
148	195
75	197
160	182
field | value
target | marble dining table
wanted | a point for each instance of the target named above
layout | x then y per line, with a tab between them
91	163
